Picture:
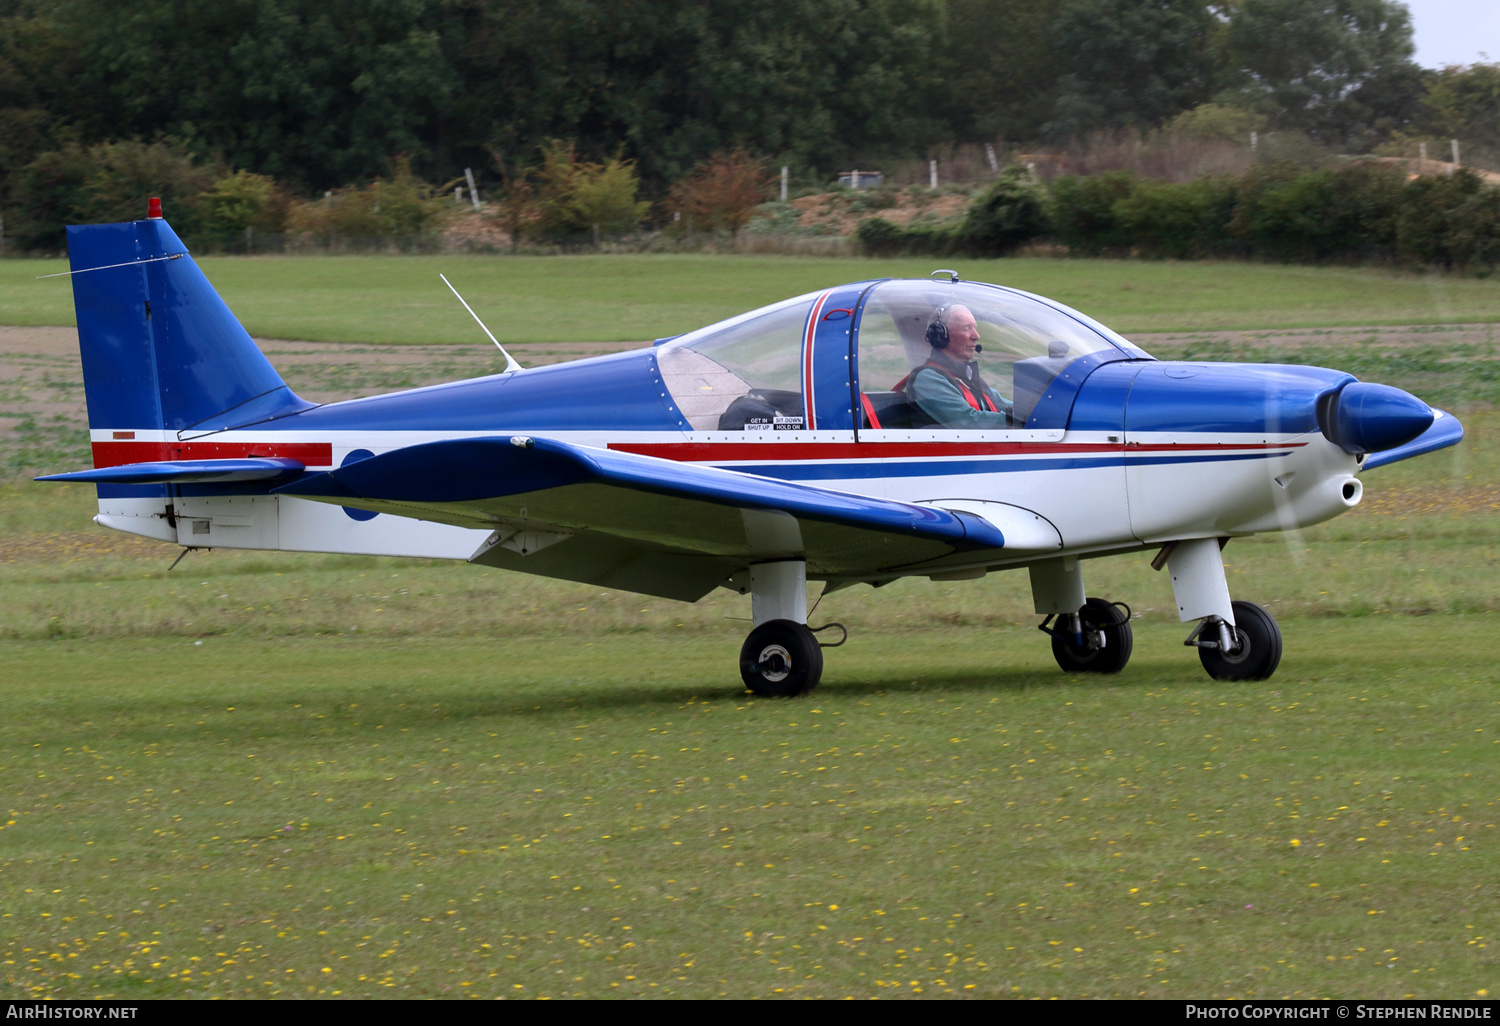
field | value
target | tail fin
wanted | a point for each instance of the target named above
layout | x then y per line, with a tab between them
161	351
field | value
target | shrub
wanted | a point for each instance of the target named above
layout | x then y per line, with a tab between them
878	237
722	194
1009	213
244	200
402	207
1449	221
573	196
1083	214
1178	221
1319	215
108	182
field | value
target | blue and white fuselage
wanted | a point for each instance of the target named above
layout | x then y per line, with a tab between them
757	454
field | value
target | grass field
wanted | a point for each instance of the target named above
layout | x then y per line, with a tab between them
271	774
609	298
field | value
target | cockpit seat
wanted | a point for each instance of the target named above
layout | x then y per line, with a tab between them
892	411
764	409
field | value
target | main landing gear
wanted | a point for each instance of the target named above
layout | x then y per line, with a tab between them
782	657
1089	635
1096	639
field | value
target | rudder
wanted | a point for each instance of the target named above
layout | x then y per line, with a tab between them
162	354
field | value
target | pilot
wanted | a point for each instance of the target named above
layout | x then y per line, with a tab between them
948	387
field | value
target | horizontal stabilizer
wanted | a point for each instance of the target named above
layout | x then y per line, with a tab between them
1445	431
259	468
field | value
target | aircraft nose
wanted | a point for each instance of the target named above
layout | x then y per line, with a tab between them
1364	417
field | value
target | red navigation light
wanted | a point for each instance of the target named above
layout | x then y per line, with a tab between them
153	208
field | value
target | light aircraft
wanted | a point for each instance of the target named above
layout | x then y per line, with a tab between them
757	454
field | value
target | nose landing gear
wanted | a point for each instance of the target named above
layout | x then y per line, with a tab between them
1250	650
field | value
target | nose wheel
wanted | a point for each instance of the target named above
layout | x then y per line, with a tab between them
781	659
1250	650
1097	640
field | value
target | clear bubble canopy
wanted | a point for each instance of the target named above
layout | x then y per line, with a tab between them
750	372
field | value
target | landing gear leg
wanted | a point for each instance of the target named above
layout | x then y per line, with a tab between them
1235	640
781	657
1089	635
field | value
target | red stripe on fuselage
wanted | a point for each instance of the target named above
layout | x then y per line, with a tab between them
702	452
117	454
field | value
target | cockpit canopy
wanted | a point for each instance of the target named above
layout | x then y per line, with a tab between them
838	359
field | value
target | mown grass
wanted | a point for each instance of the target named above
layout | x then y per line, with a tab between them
399	299
537	817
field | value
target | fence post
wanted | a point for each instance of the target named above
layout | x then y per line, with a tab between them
932	174
1455	155
989	151
473	189
784	170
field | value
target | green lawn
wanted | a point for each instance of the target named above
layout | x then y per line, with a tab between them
635	298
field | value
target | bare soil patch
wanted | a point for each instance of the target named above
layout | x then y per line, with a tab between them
839	213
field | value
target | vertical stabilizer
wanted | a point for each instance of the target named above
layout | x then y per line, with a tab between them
161	351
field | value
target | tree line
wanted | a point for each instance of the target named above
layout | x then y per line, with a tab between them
328	96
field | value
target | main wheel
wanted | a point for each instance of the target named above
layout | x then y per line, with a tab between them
1259	650
1098	615
781	658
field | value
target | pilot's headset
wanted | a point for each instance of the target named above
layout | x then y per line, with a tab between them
937	330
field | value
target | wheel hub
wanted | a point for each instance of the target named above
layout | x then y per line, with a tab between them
774	664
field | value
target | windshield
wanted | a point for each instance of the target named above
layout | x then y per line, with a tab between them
1009	345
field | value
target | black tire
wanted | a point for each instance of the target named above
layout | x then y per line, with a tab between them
781	659
1098	614
1260	647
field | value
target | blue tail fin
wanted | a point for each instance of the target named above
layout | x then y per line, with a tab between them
160	349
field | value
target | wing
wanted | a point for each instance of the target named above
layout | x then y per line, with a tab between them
640	523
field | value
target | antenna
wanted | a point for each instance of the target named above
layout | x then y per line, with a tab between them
510	361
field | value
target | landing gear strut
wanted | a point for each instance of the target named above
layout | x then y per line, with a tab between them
1235	640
